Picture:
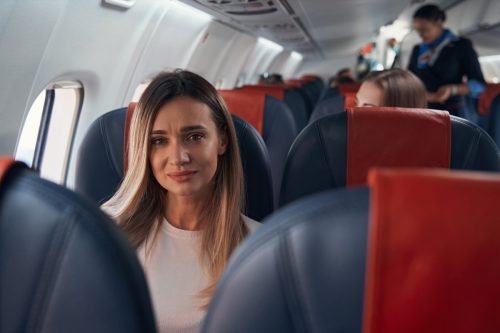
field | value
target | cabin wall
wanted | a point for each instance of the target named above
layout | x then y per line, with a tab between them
110	51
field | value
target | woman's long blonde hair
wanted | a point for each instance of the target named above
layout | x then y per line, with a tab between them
140	201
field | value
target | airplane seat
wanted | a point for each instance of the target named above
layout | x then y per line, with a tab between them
295	101
278	126
100	162
335	152
306	93
290	96
327	106
494	120
66	267
329	92
306	269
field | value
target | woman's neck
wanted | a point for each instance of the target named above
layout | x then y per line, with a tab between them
184	212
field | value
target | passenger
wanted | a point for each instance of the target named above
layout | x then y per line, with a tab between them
271	79
442	60
181	200
392	87
343	75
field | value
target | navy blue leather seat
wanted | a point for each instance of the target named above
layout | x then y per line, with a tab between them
65	266
494	120
318	157
327	106
303	271
99	169
306	269
279	132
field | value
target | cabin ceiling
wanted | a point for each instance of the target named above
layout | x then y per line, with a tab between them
306	26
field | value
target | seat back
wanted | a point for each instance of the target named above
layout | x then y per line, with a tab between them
328	106
100	163
279	129
290	96
413	282
494	120
66	267
305	269
321	151
487	97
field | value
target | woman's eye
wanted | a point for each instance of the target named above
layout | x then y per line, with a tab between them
195	137
158	141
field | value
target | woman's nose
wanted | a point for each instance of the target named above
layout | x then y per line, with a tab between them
179	155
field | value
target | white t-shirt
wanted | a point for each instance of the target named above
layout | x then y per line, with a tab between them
175	278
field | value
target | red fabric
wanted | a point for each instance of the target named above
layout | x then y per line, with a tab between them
346	88
294	83
349	91
6	164
395	137
128	118
247	104
275	91
309	77
349	100
486	98
433	252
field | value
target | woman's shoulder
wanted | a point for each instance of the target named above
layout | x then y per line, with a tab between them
462	42
251	224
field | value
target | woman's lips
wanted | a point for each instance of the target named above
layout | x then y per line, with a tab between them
182	176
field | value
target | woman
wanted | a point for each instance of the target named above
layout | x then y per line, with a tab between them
180	202
392	87
442	60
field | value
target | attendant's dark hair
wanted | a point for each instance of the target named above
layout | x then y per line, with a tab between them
430	13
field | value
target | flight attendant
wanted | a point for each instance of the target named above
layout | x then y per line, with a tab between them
447	65
181	200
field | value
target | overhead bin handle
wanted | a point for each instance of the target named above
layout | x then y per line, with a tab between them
120	3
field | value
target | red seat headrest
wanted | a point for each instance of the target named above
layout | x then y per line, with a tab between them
433	252
247	104
395	137
487	97
275	91
7	163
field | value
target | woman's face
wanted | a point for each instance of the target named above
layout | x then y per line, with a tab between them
429	31
184	148
369	94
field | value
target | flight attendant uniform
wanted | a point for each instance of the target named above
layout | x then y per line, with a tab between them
447	60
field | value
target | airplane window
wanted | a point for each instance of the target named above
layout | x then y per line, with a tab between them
47	135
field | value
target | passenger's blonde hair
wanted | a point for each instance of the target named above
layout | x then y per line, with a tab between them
401	88
140	201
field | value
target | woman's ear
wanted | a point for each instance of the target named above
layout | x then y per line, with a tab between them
222	143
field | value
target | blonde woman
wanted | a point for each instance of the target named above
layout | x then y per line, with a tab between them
392	87
181	200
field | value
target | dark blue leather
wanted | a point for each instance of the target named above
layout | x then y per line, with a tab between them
278	133
302	271
494	120
99	168
65	266
318	157
329	92
327	106
297	105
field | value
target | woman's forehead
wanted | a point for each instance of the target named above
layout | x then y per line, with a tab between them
183	112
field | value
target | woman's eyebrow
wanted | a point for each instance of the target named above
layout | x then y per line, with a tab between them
183	130
192	128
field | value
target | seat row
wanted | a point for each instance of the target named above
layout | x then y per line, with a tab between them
335	151
415	250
